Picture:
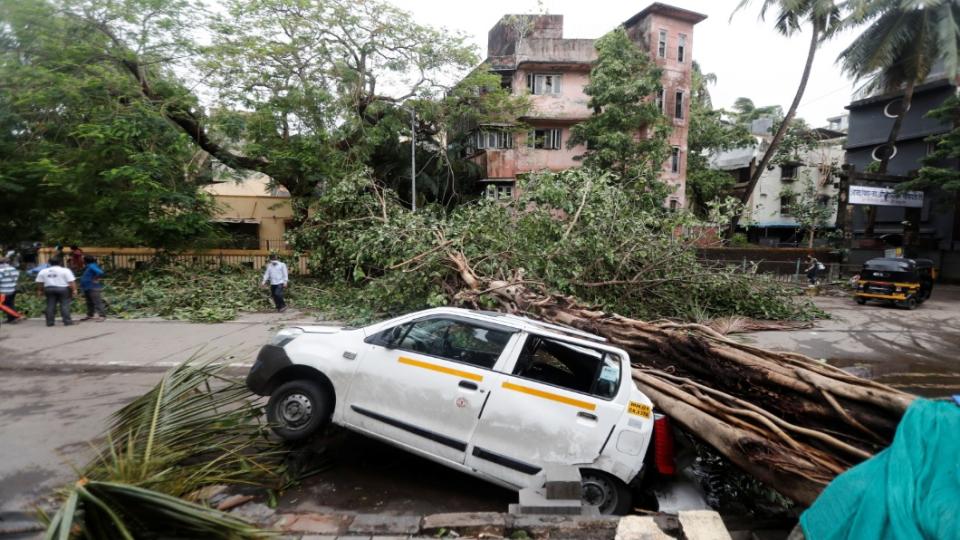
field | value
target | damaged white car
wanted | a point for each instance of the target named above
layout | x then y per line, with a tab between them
495	396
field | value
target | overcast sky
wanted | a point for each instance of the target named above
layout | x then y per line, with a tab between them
749	58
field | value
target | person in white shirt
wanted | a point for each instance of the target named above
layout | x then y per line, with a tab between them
276	276
59	285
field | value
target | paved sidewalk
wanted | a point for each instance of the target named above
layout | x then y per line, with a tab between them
142	344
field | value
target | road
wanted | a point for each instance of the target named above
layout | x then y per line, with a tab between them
61	384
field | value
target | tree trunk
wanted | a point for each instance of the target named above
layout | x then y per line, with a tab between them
781	131
786	419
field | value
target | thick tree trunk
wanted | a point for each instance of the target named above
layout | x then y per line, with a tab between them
782	129
786	419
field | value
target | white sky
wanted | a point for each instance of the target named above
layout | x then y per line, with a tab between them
748	56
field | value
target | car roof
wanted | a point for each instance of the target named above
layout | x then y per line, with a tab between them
896	263
525	324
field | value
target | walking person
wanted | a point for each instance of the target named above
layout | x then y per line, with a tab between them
276	276
813	269
93	289
8	287
59	285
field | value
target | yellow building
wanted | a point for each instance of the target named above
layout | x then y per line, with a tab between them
254	215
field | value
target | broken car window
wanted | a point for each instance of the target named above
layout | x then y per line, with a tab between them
569	366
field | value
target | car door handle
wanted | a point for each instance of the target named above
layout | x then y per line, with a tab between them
588	416
468	385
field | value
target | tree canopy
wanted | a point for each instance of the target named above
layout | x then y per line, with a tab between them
622	82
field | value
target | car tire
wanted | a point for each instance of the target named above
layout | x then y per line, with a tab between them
861	301
606	492
298	409
911	303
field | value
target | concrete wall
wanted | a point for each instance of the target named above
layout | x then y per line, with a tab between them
570	104
249	197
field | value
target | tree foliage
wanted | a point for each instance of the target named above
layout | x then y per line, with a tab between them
709	133
939	173
812	210
84	157
622	83
576	233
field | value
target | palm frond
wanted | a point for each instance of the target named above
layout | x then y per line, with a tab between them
114	510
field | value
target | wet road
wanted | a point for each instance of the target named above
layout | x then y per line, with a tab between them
47	420
917	351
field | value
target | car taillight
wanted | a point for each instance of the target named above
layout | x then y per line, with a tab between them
663	445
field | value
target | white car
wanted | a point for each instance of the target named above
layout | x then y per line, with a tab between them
495	396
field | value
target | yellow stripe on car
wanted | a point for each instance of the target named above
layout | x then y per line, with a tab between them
551	396
440	369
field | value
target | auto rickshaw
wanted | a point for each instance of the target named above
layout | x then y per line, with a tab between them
905	283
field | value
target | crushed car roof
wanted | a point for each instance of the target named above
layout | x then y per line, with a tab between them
523	323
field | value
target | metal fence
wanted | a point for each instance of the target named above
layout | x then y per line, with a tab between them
143	258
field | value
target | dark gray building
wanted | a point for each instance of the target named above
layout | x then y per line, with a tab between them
869	128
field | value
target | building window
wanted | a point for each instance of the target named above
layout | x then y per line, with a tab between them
674	205
681	47
543	83
894	108
788	172
662	44
499	192
786	204
884	150
678	105
493	139
824	200
675	159
660	100
544	139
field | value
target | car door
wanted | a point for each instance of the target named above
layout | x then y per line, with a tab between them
424	382
557	403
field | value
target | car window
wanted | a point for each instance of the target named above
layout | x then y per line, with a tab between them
455	340
569	366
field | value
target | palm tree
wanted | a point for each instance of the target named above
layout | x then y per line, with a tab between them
824	19
899	49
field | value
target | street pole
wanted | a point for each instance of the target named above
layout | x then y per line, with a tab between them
413	159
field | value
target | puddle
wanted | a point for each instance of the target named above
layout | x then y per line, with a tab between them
932	378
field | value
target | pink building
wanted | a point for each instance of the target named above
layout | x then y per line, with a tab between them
531	54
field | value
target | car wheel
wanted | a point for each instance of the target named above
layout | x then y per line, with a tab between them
861	301
609	494
298	409
911	303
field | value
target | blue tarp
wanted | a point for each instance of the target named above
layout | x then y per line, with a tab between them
909	491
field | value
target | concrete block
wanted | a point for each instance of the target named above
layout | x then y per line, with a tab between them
562	482
579	527
254	512
703	525
384	524
534	502
313	523
639	528
465	523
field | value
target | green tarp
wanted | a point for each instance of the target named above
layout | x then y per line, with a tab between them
909	491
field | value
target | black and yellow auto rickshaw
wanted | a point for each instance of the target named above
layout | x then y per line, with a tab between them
903	282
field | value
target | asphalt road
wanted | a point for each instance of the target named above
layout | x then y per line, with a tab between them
61	384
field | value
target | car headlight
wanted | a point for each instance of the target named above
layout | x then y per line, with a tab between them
899	289
285	336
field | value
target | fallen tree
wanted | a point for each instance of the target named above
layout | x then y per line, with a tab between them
575	249
788	420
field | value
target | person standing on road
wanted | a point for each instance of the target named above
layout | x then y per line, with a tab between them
813	268
59	285
276	275
8	286
93	289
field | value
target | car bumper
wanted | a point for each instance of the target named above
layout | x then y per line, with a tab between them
270	360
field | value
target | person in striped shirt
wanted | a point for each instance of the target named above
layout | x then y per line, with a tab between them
8	286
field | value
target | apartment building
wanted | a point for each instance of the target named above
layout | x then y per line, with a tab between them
531	55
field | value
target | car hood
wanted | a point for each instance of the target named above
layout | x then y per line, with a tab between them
321	329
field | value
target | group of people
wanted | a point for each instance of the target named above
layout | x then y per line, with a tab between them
58	284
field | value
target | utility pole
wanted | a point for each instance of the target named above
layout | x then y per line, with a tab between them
413	160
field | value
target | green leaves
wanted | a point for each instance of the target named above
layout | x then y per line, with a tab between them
622	84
